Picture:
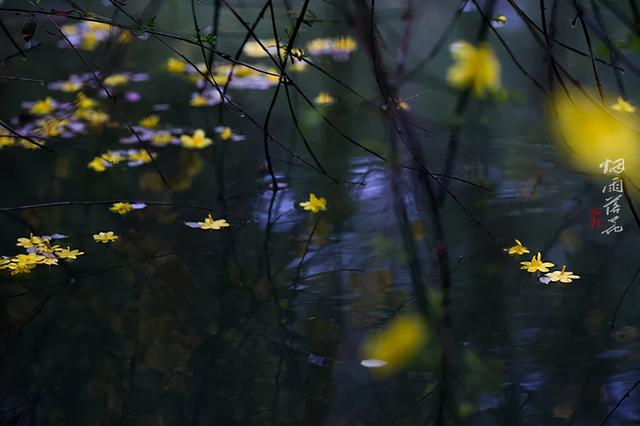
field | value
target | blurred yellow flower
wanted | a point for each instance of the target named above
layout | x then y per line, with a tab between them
475	67
397	344
175	66
211	223
518	249
69	254
324	99
623	106
121	208
536	264
199	140
105	237
590	134
32	241
97	164
150	122
563	276
116	80
43	107
315	204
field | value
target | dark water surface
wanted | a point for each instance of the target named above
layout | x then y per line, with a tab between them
263	322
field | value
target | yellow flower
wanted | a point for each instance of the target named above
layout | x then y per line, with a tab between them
112	157
590	134
175	66
345	44
518	249
6	138
43	107
116	80
211	223
121	208
536	264
162	138
623	106
140	155
318	45
254	50
198	101
475	67
324	99
105	237
126	37
563	276
314	204
32	241
150	122
69	254
52	127
397	344
71	86
98	26
50	261
97	164
84	102
500	20
24	263
198	141
94	118
89	41
226	133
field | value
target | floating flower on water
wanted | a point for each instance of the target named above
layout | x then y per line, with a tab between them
623	106
44	107
162	138
86	35
563	276
24	263
121	208
206	98
52	127
113	157
84	102
225	134
324	99
6	138
175	66
105	237
98	164
197	100
499	21
199	140
115	80
69	254
150	122
315	204
253	49
475	67
137	157
536	264
396	345
126	37
339	48
589	134
209	223
92	117
31	241
72	84
518	249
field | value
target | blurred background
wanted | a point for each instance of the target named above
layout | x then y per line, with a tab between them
267	321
